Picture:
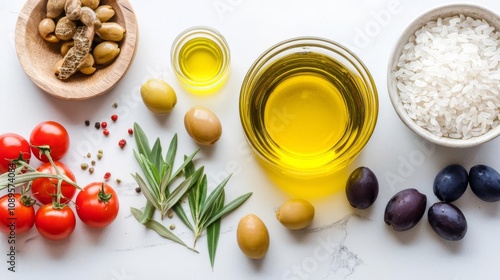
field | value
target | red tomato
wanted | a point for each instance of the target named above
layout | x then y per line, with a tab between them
15	216
97	204
45	189
50	134
53	223
11	147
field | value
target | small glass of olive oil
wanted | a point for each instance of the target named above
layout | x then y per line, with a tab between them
200	59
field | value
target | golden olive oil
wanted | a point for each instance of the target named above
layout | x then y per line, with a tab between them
200	60
305	114
308	110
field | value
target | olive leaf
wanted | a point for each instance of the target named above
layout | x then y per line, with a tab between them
213	231
207	212
158	228
159	176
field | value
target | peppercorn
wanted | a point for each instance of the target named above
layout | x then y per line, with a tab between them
130	131
105	132
137	190
91	170
114	118
122	143
97	125
104	124
107	175
84	166
87	123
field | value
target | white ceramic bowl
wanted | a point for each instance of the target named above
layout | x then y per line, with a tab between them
471	10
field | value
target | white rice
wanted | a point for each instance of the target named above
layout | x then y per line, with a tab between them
448	77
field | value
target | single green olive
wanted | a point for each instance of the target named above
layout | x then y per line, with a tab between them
158	96
106	52
104	13
203	125
252	237
295	214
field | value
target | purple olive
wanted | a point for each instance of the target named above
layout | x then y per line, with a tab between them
405	209
361	188
447	221
450	183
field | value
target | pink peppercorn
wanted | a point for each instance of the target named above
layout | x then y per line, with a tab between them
122	143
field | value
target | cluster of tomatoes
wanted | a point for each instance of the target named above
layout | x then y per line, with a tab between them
52	186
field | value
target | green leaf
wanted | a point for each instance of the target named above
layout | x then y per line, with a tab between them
228	208
163	188
146	191
206	206
186	161
195	197
141	141
152	171
213	233
181	190
189	168
182	215
147	215
159	228
156	156
145	166
172	150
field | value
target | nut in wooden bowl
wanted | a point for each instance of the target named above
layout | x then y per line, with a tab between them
38	56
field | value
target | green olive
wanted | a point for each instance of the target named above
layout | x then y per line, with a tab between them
295	214
158	96
252	237
106	52
202	125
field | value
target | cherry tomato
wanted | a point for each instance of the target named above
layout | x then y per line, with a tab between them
53	223
97	204
11	147
51	134
45	189
15	216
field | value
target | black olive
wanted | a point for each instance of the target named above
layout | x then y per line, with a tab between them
485	183
447	221
450	183
405	209
362	188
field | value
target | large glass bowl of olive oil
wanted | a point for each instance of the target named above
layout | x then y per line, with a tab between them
308	106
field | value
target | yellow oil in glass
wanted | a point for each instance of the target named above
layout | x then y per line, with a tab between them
201	60
305	115
307	112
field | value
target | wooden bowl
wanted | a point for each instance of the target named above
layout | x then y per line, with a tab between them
38	57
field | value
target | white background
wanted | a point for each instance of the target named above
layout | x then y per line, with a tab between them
341	244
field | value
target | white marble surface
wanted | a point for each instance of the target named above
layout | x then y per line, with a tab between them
341	244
